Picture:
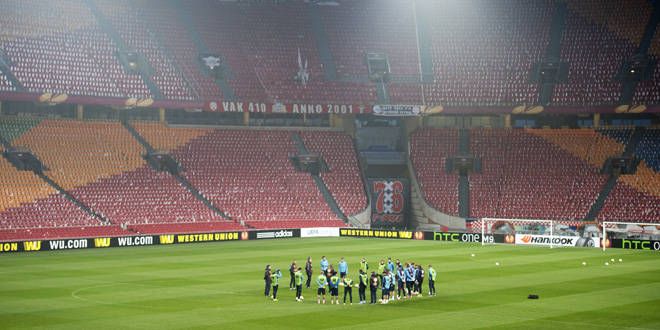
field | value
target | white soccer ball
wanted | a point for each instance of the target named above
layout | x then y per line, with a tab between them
607	264
612	260
497	264
620	260
584	263
472	255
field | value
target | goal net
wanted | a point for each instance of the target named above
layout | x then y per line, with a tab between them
630	235
539	232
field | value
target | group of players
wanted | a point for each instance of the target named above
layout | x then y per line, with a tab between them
395	281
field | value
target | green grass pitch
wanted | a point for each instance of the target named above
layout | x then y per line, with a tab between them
220	285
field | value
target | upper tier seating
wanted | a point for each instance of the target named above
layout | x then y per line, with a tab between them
355	28
135	25
595	52
262	66
483	51
59	47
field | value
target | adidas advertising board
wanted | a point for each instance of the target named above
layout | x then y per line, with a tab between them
273	234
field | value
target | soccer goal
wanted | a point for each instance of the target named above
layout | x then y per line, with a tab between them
552	233
510	231
636	235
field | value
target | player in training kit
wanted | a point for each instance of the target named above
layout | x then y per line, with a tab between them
392	292
373	287
275	278
329	272
420	279
413	272
401	282
432	276
308	271
322	283
334	289
348	288
324	263
362	287
299	283
364	266
343	267
381	269
387	282
267	280
410	279
390	265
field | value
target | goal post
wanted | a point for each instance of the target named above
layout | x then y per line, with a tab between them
551	233
630	233
522	230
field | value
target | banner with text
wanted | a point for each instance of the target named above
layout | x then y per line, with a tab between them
292	108
397	110
547	240
275	233
634	244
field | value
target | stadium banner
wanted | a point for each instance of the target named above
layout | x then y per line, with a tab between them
377	233
390	198
199	237
122	241
319	232
467	237
397	110
634	244
272	234
291	108
547	240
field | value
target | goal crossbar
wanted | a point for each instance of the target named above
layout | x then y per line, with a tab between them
485	230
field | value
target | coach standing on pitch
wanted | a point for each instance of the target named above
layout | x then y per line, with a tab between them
268	280
308	271
373	287
292	272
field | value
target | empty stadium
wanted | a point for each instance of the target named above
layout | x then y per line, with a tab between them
515	145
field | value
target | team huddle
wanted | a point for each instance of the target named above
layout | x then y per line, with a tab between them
395	281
